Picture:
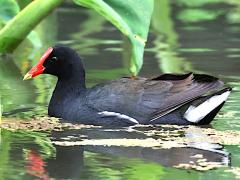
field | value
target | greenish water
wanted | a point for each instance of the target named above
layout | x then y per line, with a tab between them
202	36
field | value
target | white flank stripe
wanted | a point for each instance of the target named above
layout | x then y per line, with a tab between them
121	116
195	114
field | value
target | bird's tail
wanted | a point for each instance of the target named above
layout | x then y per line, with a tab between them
203	110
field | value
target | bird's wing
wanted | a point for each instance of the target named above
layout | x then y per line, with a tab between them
145	99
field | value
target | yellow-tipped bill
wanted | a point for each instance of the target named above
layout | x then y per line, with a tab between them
27	76
38	68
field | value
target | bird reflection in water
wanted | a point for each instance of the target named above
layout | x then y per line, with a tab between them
70	161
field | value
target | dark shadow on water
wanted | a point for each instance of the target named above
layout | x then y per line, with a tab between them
70	160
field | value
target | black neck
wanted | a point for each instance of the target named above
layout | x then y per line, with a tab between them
74	80
70	85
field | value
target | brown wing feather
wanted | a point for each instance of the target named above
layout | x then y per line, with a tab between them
201	84
145	99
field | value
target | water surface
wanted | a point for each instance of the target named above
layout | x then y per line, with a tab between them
203	37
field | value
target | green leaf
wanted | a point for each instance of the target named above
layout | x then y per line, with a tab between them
131	17
9	9
22	24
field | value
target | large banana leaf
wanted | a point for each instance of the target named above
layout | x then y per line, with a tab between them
131	17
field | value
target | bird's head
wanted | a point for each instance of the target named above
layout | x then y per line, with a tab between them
60	61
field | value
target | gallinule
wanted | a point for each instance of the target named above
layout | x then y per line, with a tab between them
166	99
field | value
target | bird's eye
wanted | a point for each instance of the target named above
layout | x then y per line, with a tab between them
53	59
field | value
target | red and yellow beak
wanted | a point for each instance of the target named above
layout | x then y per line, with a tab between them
38	68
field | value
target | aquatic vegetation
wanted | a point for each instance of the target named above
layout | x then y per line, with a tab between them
39	124
167	138
175	46
156	137
134	24
202	165
235	171
132	18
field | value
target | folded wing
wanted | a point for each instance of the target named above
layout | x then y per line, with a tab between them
147	99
